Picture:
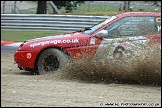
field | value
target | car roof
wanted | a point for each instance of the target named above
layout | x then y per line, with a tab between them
139	14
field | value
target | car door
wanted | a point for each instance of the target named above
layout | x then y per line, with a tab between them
129	34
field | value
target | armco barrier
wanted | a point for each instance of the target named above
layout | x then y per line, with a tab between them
65	23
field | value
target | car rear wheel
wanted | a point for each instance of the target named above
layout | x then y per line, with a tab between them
51	60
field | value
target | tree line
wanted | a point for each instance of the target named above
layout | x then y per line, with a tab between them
69	6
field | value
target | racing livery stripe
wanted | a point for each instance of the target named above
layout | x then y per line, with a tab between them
110	46
135	43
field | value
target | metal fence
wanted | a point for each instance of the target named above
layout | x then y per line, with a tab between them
66	23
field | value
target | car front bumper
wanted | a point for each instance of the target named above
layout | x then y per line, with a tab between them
25	59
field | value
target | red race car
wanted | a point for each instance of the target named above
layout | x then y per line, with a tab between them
115	37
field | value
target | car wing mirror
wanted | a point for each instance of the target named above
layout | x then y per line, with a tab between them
102	33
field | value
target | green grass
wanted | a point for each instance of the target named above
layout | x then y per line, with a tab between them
101	10
86	9
22	35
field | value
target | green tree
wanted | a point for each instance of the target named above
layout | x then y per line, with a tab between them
42	7
69	6
126	6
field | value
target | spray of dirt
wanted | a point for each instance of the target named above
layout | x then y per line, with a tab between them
143	68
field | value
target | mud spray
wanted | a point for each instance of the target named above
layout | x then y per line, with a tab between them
143	68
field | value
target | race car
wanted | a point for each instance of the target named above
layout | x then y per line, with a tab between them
114	38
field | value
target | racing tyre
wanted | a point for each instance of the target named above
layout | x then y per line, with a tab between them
51	60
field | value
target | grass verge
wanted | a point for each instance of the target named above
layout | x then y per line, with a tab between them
22	35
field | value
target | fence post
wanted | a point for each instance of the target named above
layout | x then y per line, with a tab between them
47	7
15	7
89	6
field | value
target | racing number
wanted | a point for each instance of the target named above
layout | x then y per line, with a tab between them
118	52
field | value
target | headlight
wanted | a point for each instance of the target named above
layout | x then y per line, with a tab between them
21	45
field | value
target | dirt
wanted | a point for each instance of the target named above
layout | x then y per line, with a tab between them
76	86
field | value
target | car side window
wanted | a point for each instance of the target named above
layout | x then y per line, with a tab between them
132	26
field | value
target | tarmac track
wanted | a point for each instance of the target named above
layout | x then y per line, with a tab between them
8	49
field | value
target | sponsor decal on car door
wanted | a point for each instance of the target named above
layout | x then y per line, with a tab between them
120	47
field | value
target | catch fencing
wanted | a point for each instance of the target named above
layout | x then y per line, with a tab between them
63	23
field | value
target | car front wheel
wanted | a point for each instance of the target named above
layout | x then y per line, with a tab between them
51	60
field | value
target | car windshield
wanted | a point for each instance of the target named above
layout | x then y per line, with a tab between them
96	27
